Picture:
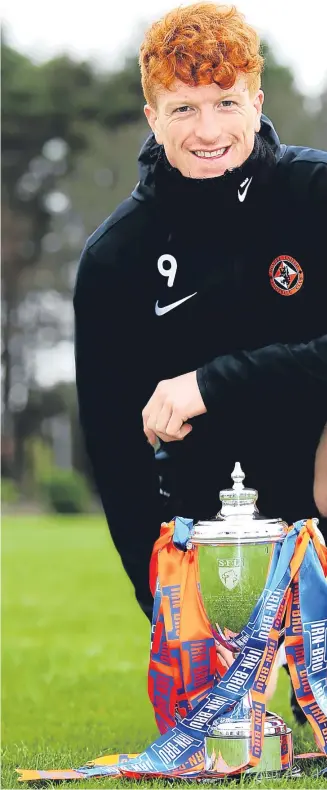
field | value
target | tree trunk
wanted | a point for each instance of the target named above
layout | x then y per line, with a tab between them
8	434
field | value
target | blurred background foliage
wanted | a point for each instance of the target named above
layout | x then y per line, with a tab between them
70	140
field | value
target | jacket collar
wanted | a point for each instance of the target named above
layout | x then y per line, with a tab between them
151	152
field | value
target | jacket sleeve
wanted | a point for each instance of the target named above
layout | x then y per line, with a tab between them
112	389
295	361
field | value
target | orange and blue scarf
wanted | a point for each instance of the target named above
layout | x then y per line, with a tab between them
190	688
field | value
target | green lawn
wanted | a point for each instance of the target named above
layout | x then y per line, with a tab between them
75	654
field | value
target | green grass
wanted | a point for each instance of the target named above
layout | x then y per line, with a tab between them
75	654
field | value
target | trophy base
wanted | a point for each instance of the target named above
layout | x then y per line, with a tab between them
228	746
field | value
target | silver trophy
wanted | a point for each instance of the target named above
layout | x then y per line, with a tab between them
234	551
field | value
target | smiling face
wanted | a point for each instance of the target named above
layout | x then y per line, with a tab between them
206	130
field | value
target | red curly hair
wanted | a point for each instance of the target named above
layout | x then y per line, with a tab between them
199	44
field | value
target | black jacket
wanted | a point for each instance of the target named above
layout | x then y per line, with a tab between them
250	253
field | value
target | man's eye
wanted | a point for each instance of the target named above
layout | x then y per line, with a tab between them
182	109
227	102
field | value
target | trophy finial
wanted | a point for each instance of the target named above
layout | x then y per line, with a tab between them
238	500
238	477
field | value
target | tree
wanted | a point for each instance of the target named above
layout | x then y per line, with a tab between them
284	103
39	140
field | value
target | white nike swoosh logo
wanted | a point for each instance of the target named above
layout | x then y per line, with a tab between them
242	195
163	310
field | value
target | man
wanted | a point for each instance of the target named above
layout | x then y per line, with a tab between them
200	302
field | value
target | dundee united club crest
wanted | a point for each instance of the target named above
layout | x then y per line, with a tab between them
286	275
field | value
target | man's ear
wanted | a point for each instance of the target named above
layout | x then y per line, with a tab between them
258	102
152	119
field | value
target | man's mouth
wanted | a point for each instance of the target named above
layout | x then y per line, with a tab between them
218	153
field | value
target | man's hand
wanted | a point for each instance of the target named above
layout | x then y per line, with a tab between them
173	402
320	480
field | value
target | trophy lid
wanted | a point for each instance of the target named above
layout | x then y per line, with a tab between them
238	500
238	520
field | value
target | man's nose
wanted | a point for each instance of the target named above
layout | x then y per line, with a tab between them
208	127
